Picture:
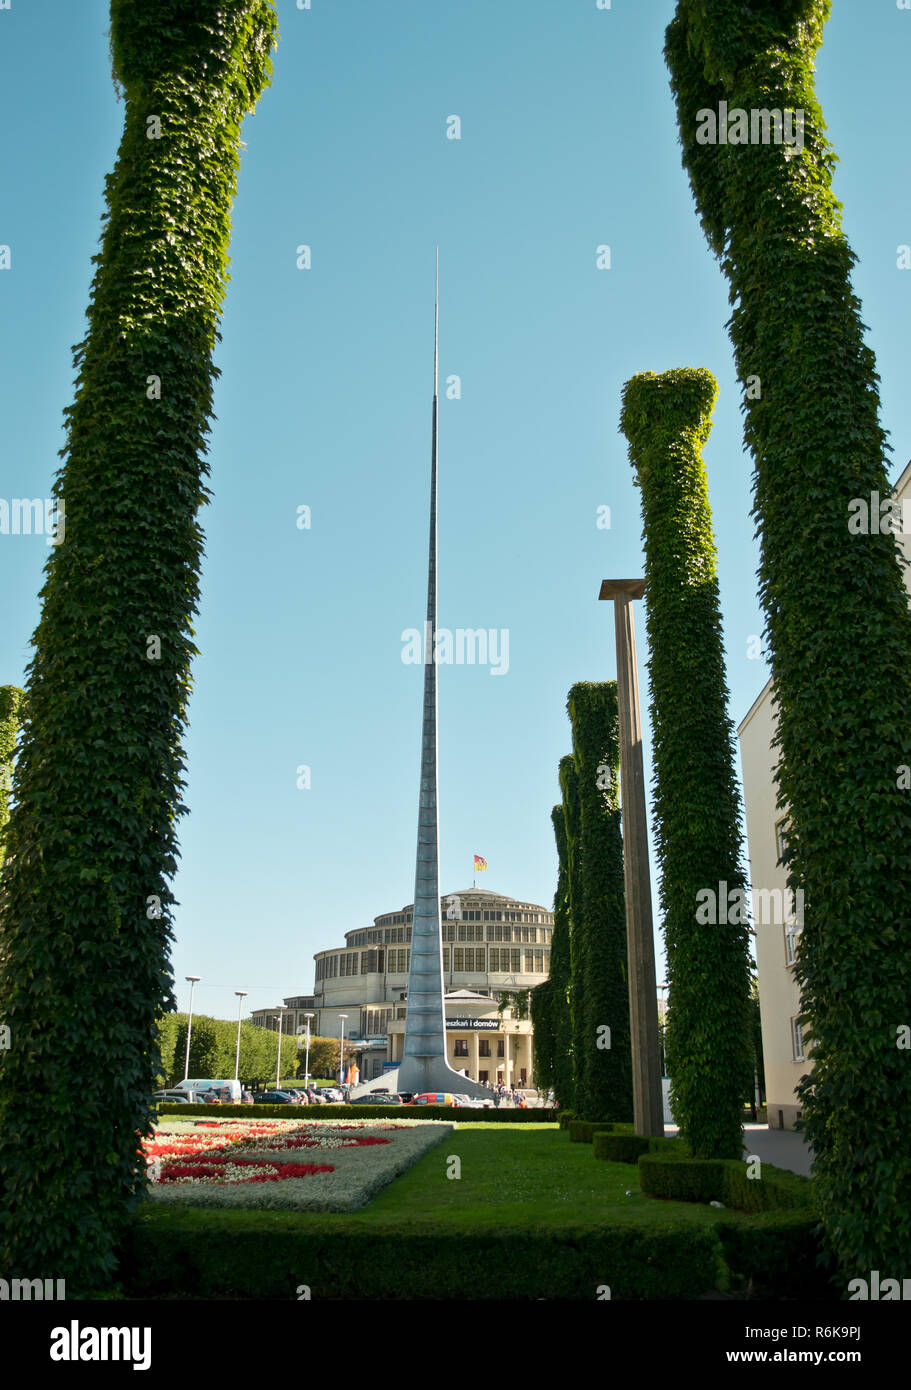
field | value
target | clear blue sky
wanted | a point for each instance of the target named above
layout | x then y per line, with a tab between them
568	141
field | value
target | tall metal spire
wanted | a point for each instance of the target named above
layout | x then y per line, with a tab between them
425	1028
424	1066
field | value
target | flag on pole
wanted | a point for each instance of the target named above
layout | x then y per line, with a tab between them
479	863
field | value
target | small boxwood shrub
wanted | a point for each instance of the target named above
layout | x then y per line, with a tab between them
564	1117
583	1131
774	1189
666	1173
620	1148
778	1254
681	1179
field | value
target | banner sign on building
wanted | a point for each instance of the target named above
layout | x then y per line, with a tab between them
491	1025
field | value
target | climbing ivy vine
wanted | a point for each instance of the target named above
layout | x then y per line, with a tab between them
837	619
667	419
86	908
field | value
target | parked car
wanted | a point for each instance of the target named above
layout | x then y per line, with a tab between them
316	1098
473	1102
332	1094
274	1098
246	1098
376	1098
436	1098
178	1097
299	1094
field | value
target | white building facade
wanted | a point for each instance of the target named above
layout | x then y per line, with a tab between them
785	1054
492	945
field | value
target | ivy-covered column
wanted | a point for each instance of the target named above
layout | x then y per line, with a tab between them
10	702
667	419
569	788
838	625
541	1008
560	978
602	1032
86	903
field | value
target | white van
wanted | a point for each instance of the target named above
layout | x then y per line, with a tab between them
228	1090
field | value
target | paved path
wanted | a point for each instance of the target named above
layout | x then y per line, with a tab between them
785	1148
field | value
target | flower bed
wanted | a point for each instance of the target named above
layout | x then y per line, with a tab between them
257	1163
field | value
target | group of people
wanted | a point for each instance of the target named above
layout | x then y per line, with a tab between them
503	1093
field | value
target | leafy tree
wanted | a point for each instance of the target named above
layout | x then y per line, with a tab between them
205	1053
667	419
86	907
213	1047
168	1030
519	1001
324	1057
604	1087
837	619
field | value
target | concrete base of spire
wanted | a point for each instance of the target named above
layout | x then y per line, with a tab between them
418	1076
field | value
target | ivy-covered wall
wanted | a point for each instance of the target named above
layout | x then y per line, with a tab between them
599	958
838	626
87	907
667	419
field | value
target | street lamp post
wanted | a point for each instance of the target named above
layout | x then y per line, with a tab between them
193	979
241	996
307	1053
648	1112
278	1066
341	1048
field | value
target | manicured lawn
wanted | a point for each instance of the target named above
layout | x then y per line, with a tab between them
531	1216
523	1175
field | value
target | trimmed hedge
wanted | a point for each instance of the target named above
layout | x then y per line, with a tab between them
565	1117
216	1254
331	1114
777	1254
684	1179
620	1148
775	1190
583	1131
